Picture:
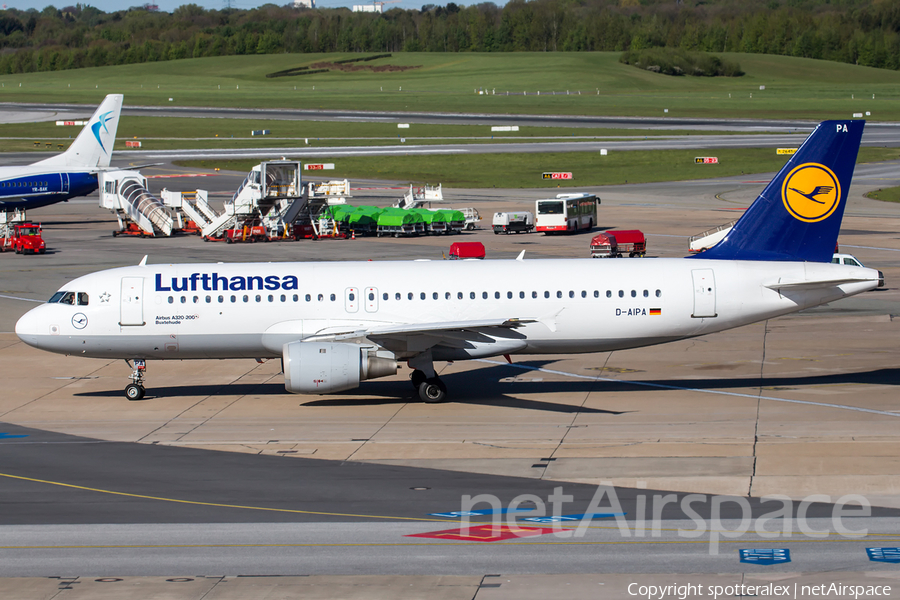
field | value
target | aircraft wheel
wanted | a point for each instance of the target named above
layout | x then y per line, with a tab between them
417	378
432	391
134	391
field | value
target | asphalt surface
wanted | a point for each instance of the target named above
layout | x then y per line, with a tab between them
72	505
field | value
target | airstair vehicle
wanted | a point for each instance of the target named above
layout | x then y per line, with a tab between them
8	221
138	211
269	201
416	197
708	239
320	196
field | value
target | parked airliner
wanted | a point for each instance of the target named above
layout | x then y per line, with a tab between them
70	174
336	324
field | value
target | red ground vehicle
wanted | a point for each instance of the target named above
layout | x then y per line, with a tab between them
616	243
24	238
460	250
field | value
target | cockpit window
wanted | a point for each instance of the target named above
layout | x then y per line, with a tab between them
73	298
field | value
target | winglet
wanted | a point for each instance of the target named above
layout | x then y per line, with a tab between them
798	216
143	262
521	255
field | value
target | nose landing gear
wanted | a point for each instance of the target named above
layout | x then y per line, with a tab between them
135	389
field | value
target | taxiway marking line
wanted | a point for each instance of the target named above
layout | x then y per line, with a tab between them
221	505
23	299
563	526
664	386
403	544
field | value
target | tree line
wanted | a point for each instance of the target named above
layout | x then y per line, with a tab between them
864	32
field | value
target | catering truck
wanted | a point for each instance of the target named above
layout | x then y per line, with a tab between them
513	222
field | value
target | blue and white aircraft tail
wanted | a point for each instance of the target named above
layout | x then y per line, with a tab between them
798	216
70	174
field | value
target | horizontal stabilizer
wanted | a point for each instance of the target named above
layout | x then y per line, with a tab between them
813	285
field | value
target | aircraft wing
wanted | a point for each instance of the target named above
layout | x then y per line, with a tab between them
449	326
417	337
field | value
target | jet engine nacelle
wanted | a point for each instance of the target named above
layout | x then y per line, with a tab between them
320	368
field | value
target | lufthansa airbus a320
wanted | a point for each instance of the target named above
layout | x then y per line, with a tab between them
336	324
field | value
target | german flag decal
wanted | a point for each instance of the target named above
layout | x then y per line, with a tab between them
655	311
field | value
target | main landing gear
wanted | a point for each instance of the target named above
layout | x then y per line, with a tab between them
135	389
430	389
424	379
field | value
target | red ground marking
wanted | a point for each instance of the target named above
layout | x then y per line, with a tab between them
484	533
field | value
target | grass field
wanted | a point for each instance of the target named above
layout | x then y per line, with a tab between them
597	84
166	133
891	194
524	170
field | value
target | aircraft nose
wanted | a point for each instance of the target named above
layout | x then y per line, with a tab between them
31	327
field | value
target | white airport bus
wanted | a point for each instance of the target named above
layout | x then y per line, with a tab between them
566	213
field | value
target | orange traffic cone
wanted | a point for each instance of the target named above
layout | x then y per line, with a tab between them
353	234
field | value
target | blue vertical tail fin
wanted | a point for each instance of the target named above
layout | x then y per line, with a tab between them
798	216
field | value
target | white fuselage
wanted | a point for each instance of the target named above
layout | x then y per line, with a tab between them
569	306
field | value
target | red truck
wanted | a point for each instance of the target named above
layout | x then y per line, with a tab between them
24	238
618	242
